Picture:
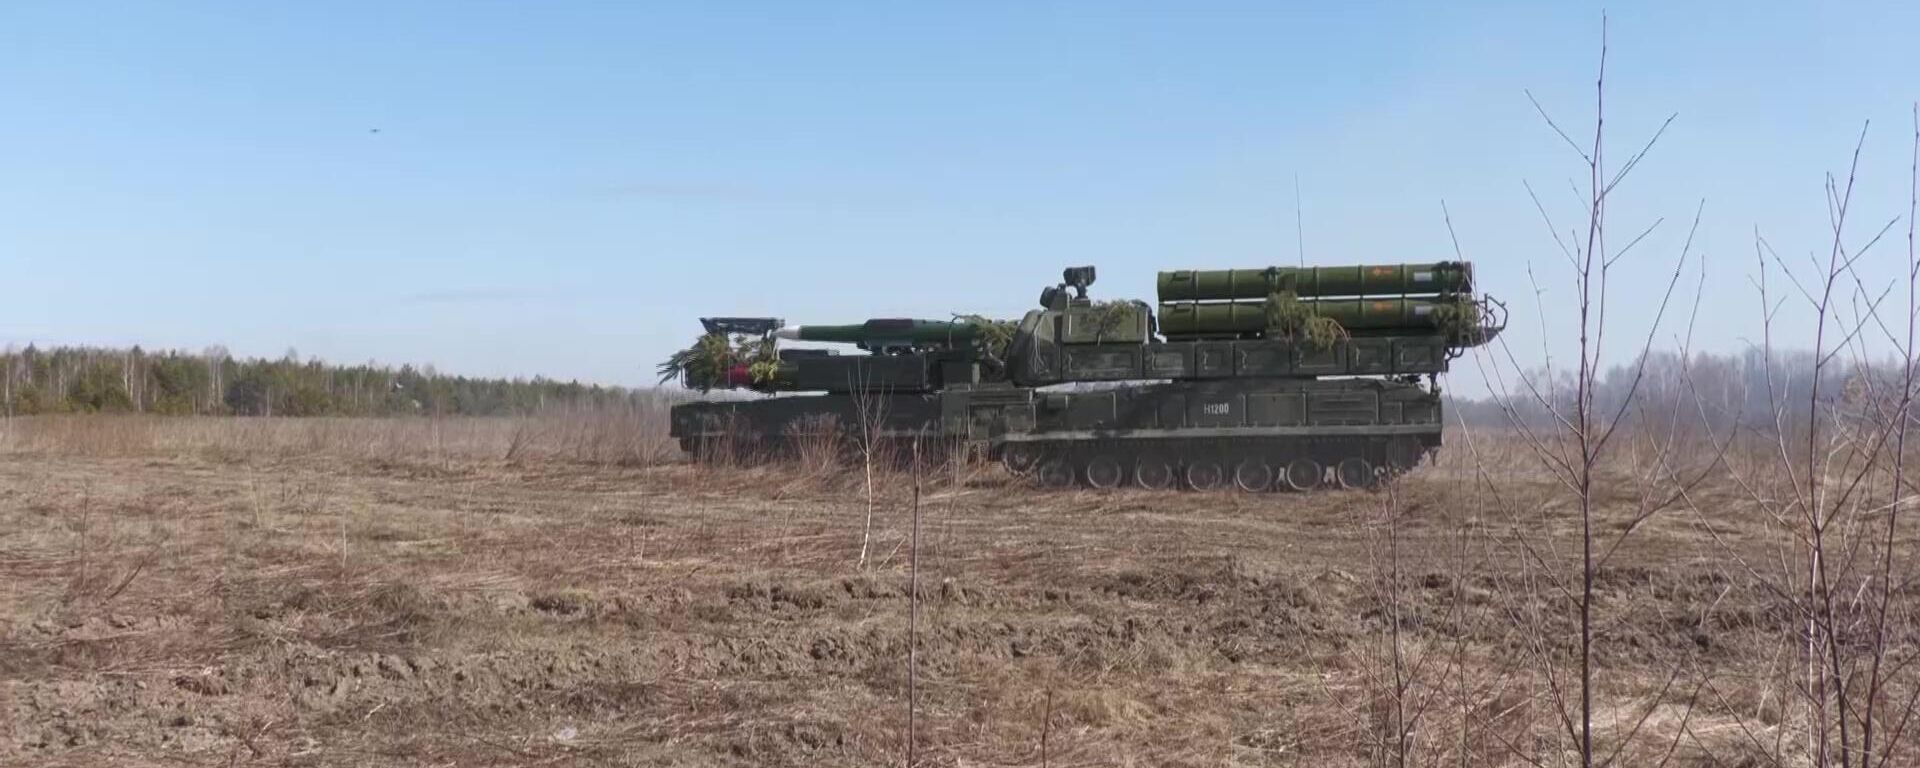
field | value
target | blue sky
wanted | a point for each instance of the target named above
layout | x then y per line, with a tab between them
562	188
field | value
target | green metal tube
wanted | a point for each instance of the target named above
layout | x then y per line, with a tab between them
1306	282
1250	317
1237	318
885	332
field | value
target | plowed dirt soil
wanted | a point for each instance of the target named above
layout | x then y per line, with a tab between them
314	611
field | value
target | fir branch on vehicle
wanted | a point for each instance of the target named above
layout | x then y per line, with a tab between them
705	363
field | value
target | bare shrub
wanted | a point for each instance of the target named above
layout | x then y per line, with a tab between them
1595	458
1827	479
817	445
1817	470
875	451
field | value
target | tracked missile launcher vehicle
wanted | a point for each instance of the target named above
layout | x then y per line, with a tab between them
1277	378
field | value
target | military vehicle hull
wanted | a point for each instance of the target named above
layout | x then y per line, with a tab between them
713	428
1214	394
1255	435
1251	434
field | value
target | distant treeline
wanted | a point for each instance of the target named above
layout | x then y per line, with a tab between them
1717	390
1751	389
98	380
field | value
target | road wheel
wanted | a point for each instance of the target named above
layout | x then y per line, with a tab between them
1019	458
1153	474
1104	472
1056	473
1205	475
1354	472
1303	474
1253	476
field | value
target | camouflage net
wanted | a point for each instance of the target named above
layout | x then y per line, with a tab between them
1290	318
704	365
1459	320
1110	316
995	335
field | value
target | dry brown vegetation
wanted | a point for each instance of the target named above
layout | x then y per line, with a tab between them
620	434
396	592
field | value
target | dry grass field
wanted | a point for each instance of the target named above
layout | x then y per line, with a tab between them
418	592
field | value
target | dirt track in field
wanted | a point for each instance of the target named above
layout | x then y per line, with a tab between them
268	610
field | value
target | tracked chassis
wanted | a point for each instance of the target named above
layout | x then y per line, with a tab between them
1251	435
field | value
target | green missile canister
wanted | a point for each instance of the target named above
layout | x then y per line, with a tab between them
1240	318
1363	280
886	333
